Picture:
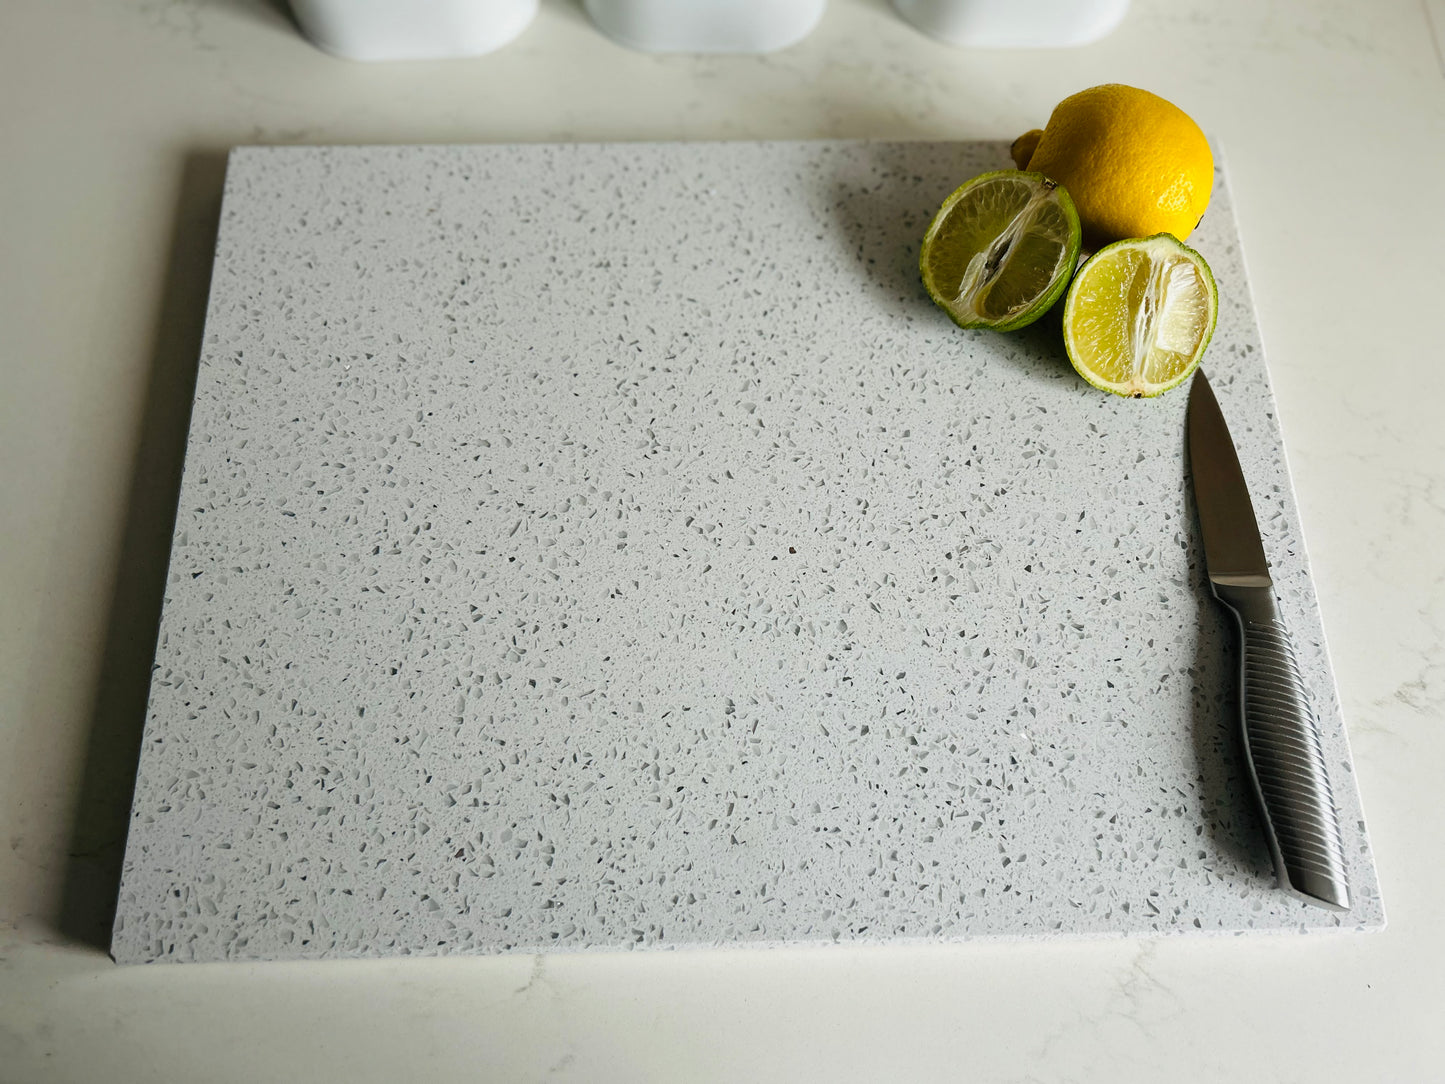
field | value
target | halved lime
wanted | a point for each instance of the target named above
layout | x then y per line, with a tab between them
1001	249
1139	315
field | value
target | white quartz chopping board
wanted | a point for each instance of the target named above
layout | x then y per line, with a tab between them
603	546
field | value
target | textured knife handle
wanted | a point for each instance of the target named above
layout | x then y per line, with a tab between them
1286	761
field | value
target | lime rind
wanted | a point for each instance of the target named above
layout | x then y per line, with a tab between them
1160	248
1005	213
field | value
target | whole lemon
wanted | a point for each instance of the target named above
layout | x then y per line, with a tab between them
1135	164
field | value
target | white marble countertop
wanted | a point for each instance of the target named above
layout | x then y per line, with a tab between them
116	121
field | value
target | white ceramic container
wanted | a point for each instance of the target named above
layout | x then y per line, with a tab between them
1014	24
412	29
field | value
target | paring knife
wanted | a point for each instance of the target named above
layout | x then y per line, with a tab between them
1281	739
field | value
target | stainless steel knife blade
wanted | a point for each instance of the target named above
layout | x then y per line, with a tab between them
1281	738
1232	548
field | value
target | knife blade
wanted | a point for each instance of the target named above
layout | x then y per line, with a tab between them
1281	738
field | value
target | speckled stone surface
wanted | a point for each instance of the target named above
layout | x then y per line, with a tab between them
611	546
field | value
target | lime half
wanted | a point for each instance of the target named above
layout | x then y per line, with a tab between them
1001	249
1139	315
